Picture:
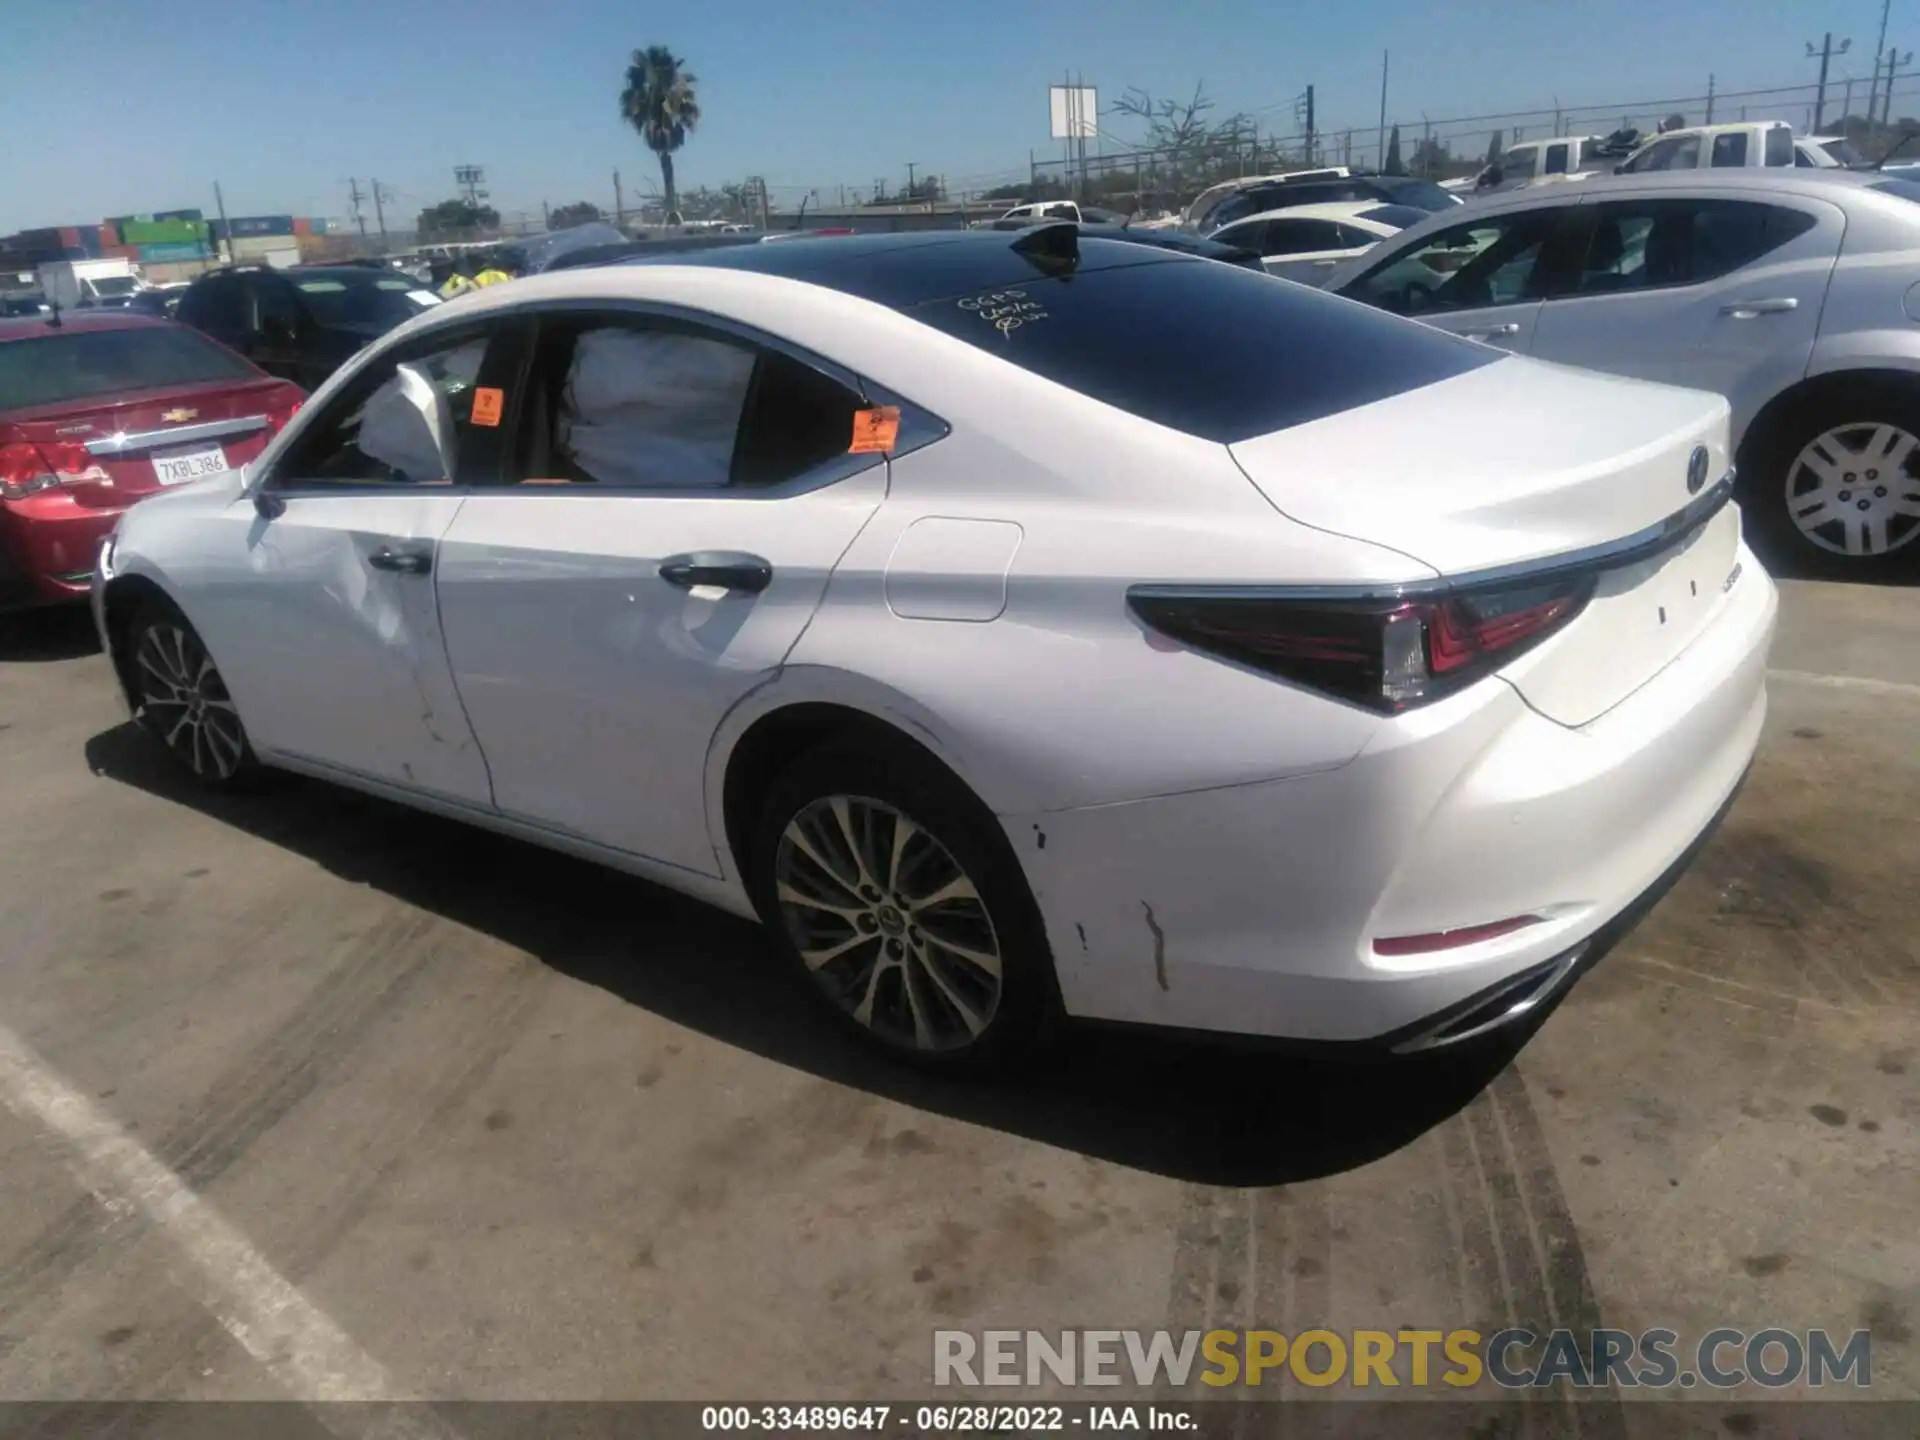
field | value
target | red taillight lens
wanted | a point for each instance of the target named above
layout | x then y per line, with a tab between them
281	415
25	468
1387	654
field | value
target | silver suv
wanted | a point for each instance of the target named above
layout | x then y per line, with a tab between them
1794	293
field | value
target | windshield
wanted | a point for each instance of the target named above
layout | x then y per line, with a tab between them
114	285
343	297
1398	216
1420	194
1212	350
54	368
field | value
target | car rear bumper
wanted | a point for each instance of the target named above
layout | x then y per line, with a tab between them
1253	909
47	549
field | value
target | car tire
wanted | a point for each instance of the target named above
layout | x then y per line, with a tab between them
854	847
1867	523
180	698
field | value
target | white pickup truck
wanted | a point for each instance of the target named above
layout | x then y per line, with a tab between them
1745	145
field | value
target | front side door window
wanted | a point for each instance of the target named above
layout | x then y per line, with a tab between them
676	497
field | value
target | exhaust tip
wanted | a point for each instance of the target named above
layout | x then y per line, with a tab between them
1503	1005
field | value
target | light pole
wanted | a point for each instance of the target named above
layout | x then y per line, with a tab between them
1825	53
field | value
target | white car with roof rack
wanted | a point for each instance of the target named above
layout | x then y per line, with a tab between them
1016	625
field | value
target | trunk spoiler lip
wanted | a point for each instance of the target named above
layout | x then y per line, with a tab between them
1655	539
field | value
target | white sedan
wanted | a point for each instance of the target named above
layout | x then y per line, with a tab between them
1017	625
1306	242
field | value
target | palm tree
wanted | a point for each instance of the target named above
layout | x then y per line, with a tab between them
658	102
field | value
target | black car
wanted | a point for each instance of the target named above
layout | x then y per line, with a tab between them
301	323
1408	190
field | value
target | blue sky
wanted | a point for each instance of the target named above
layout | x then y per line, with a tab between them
142	105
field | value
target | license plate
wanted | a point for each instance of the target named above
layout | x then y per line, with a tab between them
184	465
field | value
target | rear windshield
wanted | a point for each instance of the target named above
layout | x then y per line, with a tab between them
1904	189
1421	194
1213	350
342	297
1398	216
55	368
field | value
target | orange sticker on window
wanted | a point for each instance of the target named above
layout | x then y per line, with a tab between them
875	429
488	405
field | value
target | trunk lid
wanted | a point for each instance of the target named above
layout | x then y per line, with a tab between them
125	433
1519	466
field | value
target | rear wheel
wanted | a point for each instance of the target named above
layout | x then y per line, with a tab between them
1836	486
899	902
182	699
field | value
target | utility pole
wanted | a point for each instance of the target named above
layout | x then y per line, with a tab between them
1310	125
911	192
546	216
1709	99
1879	51
1894	61
619	206
380	214
1383	109
1826	52
470	178
226	233
353	195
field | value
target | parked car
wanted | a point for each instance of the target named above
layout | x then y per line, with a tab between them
1308	242
160	300
1036	211
99	409
1758	144
1791	292
301	323
1285	192
1013	623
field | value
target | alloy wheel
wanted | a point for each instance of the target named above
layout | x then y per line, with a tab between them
1854	490
888	923
186	701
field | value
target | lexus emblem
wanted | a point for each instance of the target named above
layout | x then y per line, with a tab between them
1697	470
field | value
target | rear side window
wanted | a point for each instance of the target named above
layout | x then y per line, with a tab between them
217	304
1779	146
57	368
637	403
1400	217
1300	237
1556	160
1519	163
1215	351
1647	244
1730	149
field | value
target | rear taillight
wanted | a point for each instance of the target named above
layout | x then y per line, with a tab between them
281	415
1387	653
27	468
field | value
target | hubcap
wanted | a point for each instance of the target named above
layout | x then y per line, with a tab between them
186	701
1854	490
888	923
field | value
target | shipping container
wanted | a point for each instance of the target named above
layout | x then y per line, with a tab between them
170	251
130	219
163	232
252	247
193	215
302	226
261	225
119	252
90	241
110	234
69	235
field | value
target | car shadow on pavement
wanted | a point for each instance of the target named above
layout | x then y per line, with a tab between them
1206	1112
58	632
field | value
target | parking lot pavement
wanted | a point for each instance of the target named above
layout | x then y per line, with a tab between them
307	1095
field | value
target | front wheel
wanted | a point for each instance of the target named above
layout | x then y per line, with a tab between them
1836	487
183	701
898	900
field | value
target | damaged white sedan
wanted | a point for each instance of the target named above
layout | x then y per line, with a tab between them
1019	625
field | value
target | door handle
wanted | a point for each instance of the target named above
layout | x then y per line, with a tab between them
1512	327
727	569
402	562
1750	309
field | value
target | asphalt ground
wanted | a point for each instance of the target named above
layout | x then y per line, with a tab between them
311	1097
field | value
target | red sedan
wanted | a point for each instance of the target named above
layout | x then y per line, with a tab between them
99	409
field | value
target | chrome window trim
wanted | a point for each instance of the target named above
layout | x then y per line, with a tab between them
179	435
1643	544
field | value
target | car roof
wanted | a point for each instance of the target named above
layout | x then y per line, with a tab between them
1775	179
41	327
906	269
1325	210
